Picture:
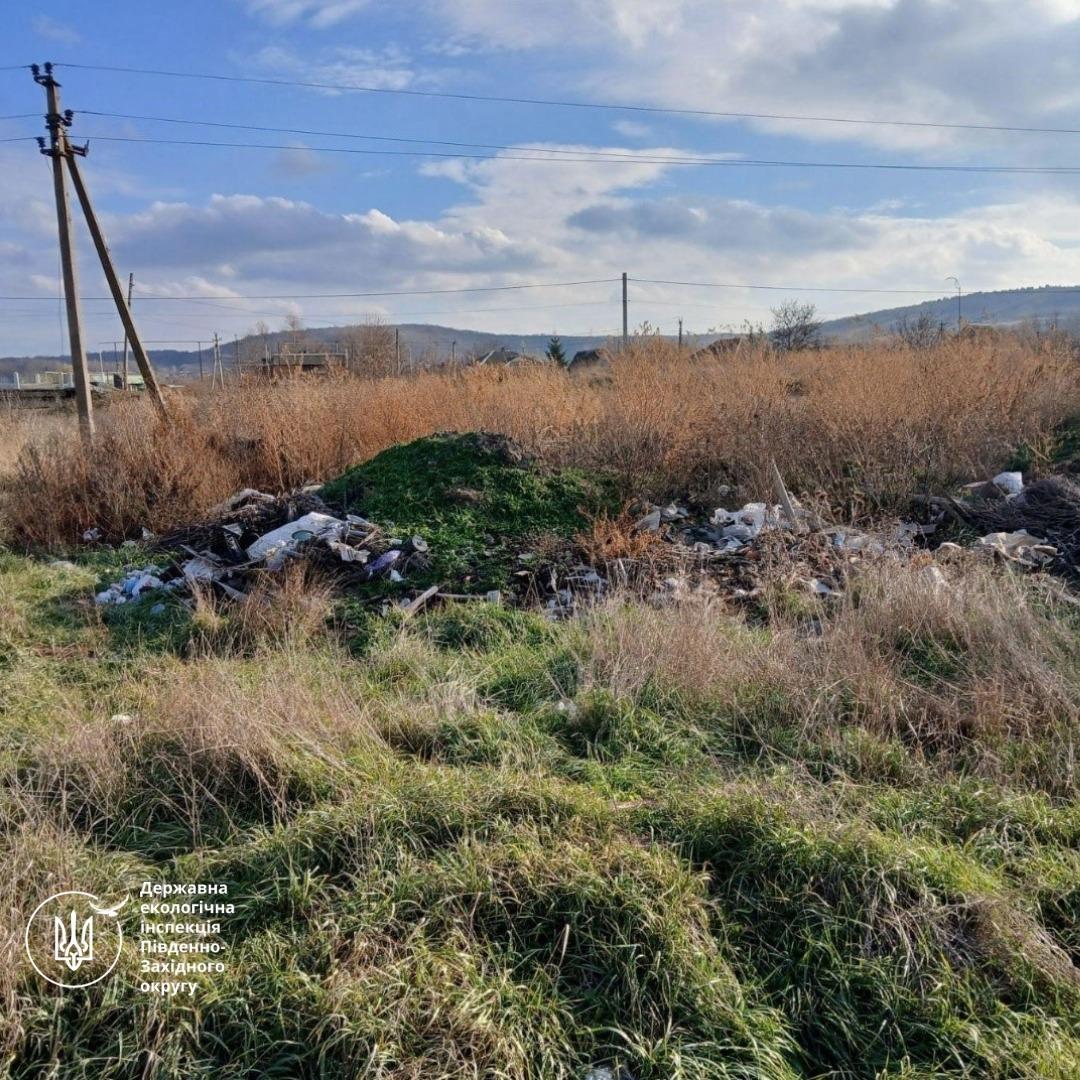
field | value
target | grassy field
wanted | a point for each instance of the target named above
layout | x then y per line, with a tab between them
805	840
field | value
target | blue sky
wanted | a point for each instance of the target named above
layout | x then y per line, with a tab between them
220	224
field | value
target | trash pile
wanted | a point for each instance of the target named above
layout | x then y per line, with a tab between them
1033	526
253	532
731	553
736	552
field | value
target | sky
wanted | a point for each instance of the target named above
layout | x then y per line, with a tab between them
215	225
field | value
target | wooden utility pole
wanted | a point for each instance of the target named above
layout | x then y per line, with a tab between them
200	363
131	286
625	320
397	350
145	369
236	356
59	150
680	334
217	365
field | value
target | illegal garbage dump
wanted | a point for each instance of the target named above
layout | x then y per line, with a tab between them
463	517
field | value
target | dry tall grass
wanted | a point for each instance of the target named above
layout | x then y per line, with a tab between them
968	671
866	427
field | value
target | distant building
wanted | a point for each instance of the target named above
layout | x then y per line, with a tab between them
114	380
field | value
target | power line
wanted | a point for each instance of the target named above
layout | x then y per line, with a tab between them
620	155
345	296
587	157
20	116
569	104
579	154
793	288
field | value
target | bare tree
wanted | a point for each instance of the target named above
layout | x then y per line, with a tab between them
296	337
794	326
922	333
372	348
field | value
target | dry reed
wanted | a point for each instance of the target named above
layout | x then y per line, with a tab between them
863	427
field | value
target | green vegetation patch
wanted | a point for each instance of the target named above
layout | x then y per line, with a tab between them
476	501
494	847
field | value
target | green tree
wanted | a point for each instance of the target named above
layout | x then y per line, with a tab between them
555	351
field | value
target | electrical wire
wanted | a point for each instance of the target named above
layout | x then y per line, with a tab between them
623	155
346	296
570	104
1029	170
786	288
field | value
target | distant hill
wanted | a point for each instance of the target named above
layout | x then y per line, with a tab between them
427	343
1047	305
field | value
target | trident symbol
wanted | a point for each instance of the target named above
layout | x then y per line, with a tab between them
73	947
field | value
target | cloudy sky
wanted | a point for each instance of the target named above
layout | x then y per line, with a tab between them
216	224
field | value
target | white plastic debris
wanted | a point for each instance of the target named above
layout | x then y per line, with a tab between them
91	535
948	548
348	553
136	585
1020	546
130	587
740	526
673	512
1012	483
858	542
200	569
281	539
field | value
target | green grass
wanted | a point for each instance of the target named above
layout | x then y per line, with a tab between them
477	506
468	853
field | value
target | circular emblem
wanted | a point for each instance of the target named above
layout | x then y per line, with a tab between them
73	939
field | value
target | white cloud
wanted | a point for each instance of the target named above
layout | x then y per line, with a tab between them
516	222
577	221
632	129
967	61
317	13
387	68
53	30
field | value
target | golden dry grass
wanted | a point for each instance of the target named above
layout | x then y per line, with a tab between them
864	428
